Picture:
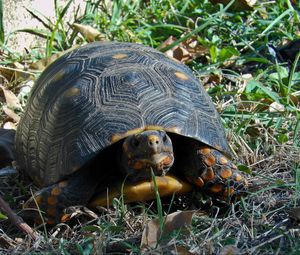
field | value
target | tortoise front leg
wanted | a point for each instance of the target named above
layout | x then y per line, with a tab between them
52	200
214	173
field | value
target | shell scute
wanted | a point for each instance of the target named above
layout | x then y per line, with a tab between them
100	93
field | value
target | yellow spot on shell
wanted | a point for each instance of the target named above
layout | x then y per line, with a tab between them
58	76
72	92
55	191
120	56
226	173
181	76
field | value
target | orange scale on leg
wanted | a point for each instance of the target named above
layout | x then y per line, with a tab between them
199	182
208	175
225	173
205	150
216	188
210	160
238	177
228	192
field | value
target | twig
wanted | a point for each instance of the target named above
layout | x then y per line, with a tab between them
6	171
17	220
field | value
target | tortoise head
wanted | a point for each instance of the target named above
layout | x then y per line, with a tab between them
146	151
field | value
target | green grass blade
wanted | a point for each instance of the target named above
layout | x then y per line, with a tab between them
1	23
273	23
38	32
34	15
291	76
198	29
65	9
297	132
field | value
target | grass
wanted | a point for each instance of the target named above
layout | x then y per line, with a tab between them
256	94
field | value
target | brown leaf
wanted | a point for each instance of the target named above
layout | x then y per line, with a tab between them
11	99
12	73
152	233
44	62
229	250
185	51
6	242
179	250
238	5
276	107
10	113
9	125
89	33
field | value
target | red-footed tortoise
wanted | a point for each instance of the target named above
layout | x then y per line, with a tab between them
109	111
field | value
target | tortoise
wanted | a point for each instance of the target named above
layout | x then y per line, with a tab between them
108	111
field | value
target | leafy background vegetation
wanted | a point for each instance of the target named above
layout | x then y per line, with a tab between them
256	92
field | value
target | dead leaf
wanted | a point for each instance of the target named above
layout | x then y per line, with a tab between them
229	250
185	51
152	234
44	62
11	99
11	73
239	5
6	242
89	33
276	107
9	125
179	250
10	113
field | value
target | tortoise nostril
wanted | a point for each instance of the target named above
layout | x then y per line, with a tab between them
153	140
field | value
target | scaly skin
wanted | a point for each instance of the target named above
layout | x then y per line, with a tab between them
213	173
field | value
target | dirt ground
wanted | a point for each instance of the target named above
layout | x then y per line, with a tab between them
17	17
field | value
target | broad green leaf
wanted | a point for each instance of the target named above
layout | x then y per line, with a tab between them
2	216
245	169
213	50
227	53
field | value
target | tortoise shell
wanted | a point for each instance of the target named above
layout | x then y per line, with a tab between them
102	92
